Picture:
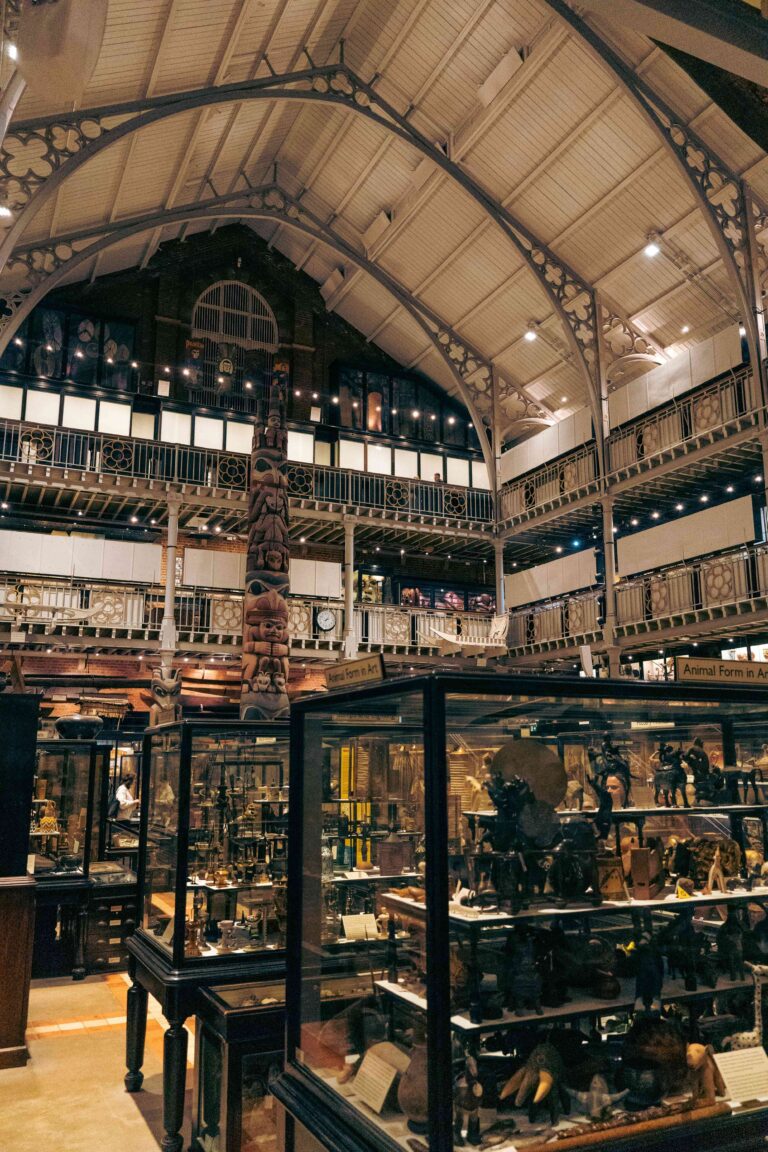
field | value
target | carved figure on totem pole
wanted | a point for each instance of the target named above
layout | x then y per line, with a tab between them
265	609
164	696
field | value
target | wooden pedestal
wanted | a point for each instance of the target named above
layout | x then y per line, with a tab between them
17	925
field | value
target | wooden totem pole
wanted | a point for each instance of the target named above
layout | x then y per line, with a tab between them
265	609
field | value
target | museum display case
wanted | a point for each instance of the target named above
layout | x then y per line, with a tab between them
64	855
563	934
66	808
214	841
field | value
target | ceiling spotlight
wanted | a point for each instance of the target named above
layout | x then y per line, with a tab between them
248	384
12	50
415	414
18	342
167	369
576	543
530	333
563	399
49	347
314	395
134	519
80	512
5	211
634	521
730	488
685	329
742	330
297	392
695	643
704	498
49	650
217	528
79	354
679	507
153	521
652	248
559	548
110	360
141	657
334	399
219	380
185	371
451	419
655	515
402	552
394	411
4	505
759	478
134	364
203	527
302	539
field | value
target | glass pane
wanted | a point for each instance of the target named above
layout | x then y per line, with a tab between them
599	873
162	850
118	353
84	346
59	809
363	995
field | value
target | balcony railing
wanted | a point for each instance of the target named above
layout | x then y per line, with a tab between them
701	417
102	454
555	484
568	621
728	584
111	611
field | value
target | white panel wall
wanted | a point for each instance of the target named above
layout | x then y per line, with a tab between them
207	568
239	436
315	578
301	447
545	446
209	433
406	463
688	370
457	471
352	455
726	526
553	579
79	412
143	425
431	466
380	459
42	407
10	402
115	418
81	556
175	427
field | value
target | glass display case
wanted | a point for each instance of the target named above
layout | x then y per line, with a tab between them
563	934
213	851
66	808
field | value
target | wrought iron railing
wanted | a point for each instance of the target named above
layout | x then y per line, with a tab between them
711	412
103	454
710	587
49	606
554	484
570	619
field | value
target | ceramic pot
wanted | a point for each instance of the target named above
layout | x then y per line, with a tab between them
79	727
412	1091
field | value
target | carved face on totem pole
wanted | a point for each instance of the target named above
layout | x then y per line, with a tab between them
265	610
164	697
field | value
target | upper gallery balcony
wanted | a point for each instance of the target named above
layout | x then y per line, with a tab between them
98	460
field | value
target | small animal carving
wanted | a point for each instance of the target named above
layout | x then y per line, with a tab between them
753	1038
598	1103
541	1077
706	1082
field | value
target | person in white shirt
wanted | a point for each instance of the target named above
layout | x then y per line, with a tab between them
125	798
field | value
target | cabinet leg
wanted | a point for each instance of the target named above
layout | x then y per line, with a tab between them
135	1034
174	1084
81	928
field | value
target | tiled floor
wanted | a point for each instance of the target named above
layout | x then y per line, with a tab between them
70	1095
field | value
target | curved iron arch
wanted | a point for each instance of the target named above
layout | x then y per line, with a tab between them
573	300
454	352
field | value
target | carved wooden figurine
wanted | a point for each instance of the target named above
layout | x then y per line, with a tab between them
706	1082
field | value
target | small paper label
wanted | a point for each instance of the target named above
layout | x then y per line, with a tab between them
745	1073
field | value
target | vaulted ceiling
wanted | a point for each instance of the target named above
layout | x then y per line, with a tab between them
509	166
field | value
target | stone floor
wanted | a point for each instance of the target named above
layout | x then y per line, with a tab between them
70	1095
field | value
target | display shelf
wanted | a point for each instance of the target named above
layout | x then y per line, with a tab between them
473	917
674	992
626	815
